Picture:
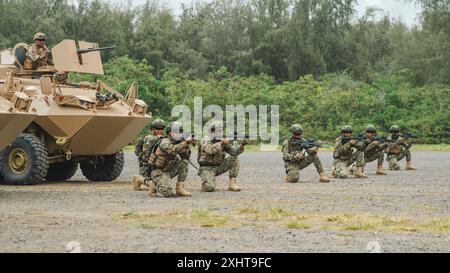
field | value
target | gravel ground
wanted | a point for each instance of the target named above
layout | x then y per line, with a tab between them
402	212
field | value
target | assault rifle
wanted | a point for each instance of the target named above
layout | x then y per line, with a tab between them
408	136
306	144
382	139
236	137
358	138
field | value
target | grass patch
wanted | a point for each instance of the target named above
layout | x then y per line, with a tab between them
214	222
197	214
248	211
359	227
145	226
438	225
129	215
276	214
298	225
284	218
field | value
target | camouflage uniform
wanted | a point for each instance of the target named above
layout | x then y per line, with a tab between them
150	141
345	155
35	57
398	150
374	152
214	162
171	160
295	160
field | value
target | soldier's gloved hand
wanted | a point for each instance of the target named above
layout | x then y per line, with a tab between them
314	150
353	142
244	142
298	157
376	143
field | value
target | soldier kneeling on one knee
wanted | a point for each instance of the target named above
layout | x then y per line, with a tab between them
213	159
170	160
296	159
398	149
348	150
374	149
144	149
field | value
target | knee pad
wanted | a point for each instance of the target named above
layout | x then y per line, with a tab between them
208	188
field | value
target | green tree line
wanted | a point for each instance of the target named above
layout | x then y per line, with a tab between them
286	39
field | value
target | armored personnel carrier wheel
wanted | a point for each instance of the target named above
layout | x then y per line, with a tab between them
25	161
62	171
103	168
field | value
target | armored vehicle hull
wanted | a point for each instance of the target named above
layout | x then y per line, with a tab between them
76	124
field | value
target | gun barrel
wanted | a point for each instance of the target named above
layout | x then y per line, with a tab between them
87	50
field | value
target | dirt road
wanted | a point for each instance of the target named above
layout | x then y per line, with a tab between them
401	212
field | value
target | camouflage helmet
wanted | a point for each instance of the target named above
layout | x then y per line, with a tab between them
395	129
371	129
174	126
40	36
296	129
347	129
158	123
216	124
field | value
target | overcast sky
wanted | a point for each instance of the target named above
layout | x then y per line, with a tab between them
396	8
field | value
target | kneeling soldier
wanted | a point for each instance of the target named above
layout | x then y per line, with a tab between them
170	160
149	143
346	151
398	149
374	150
214	162
295	158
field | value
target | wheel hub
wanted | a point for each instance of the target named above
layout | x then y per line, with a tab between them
18	160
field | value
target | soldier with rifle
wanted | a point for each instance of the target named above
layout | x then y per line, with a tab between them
299	153
399	148
170	160
374	148
348	149
143	151
213	159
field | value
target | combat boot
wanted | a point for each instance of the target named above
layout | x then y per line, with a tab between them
138	181
360	173
152	189
409	166
181	190
233	185
333	172
351	170
380	171
324	178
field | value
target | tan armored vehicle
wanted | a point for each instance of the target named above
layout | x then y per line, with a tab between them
86	124
14	117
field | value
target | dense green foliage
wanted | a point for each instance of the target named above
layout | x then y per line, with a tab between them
314	58
286	39
322	106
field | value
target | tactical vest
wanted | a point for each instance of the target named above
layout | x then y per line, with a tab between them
343	155
205	159
394	148
160	159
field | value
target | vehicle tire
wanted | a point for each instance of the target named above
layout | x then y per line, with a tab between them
62	171
25	161
103	168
